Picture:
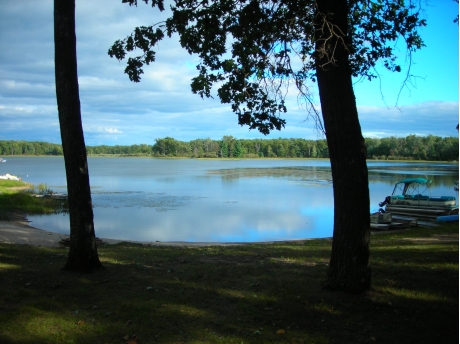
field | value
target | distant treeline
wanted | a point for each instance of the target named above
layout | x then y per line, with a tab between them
412	147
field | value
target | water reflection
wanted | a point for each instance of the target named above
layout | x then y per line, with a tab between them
210	200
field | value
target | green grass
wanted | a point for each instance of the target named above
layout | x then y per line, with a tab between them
15	197
264	293
6	185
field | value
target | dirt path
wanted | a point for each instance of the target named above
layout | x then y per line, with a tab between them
20	232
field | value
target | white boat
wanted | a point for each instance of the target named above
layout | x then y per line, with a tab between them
408	199
2	160
9	177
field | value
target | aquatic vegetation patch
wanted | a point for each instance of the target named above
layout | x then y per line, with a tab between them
303	175
139	199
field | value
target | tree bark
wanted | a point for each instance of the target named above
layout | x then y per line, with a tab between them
83	255
349	268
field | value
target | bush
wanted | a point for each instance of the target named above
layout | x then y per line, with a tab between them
251	156
210	155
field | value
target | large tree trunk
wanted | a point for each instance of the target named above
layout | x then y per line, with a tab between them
349	266
83	252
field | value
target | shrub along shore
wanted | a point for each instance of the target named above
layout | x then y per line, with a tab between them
17	199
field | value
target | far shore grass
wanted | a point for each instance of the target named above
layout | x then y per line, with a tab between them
251	293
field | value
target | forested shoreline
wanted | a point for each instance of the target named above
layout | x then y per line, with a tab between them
412	147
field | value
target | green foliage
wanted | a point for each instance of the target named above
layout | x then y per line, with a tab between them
381	23
133	150
412	147
254	51
223	149
10	147
238	150
42	188
171	147
24	202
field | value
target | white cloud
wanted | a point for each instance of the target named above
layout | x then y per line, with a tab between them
112	131
432	117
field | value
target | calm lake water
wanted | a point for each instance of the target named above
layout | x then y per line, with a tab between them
146	199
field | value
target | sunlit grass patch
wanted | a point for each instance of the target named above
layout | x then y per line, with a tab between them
417	295
9	186
5	266
185	310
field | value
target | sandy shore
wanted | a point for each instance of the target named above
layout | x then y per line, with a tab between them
13	232
21	233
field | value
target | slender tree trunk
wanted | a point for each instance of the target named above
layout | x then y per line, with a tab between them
83	255
349	265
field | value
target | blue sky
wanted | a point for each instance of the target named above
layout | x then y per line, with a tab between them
117	111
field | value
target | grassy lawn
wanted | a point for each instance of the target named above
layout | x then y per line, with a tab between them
264	293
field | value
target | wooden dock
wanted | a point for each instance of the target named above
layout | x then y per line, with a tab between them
388	226
402	222
407	221
397	222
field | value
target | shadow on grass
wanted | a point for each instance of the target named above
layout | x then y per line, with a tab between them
251	293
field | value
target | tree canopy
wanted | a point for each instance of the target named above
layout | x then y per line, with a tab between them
255	51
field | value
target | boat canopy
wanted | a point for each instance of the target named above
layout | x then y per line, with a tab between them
411	185
415	180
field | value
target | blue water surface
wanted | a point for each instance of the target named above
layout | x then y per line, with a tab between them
147	199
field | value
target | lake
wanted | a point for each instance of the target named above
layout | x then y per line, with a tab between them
148	199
